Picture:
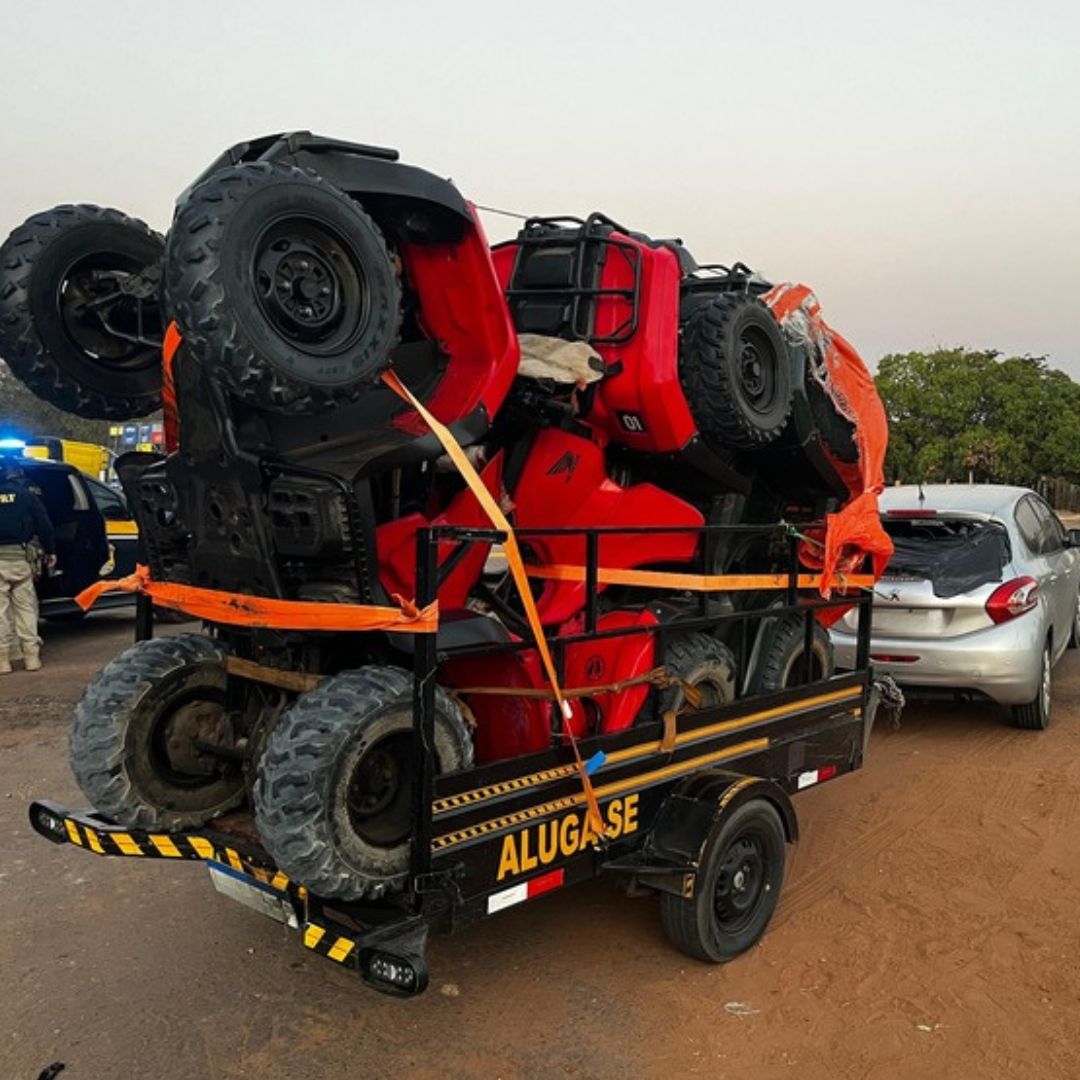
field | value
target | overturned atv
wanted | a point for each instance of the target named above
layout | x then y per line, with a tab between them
299	272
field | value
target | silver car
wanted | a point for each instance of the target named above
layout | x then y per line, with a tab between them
980	597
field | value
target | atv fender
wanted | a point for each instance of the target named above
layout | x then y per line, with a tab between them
428	208
688	817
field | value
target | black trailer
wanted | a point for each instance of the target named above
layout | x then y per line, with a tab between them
698	810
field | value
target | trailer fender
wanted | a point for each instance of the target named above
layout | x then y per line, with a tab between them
688	816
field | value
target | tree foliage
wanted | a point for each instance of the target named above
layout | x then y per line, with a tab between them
960	413
22	413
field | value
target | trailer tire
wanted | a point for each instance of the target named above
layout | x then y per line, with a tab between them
55	329
703	662
736	889
784	645
133	735
337	828
282	287
735	371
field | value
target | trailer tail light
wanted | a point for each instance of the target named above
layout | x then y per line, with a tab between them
526	890
816	776
1012	599
399	974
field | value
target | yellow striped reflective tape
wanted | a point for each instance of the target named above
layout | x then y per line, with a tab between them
73	832
341	948
202	847
126	844
165	845
641	780
313	935
632	753
93	841
234	860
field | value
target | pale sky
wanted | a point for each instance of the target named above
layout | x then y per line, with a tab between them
918	164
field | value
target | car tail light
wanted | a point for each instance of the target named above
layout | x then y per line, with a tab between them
911	513
1012	599
893	658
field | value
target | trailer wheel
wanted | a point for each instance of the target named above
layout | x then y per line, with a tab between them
282	287
139	736
704	663
735	372
781	663
333	794
80	323
737	886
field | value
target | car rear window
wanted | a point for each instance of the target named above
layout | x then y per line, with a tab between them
61	492
955	554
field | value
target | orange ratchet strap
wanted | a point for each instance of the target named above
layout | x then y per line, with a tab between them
658	579
517	569
238	609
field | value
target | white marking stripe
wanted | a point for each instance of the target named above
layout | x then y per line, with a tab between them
508	897
806	779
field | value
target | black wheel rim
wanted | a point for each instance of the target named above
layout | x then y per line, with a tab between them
757	370
742	883
108	305
172	743
310	285
377	796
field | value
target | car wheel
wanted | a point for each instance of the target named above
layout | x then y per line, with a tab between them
1035	715
1074	637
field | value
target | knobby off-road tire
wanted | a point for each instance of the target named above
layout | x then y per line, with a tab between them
735	371
54	271
781	662
1035	715
333	794
737	886
123	727
703	662
282	287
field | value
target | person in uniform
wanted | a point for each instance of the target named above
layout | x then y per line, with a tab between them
23	518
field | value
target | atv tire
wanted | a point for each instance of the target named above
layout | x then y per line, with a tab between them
735	371
133	738
704	663
67	283
282	287
781	663
333	793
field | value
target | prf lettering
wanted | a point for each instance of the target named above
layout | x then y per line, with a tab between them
526	850
7	497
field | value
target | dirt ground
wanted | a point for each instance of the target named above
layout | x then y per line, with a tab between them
928	929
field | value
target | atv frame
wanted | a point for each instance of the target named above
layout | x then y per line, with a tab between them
488	837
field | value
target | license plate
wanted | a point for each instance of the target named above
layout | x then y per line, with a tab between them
252	894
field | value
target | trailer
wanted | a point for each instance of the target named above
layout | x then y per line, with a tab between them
696	807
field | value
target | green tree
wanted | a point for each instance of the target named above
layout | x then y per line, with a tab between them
960	413
22	413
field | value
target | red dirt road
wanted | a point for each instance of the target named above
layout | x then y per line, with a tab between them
928	929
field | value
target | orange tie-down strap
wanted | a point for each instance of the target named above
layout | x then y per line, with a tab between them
238	609
517	570
660	579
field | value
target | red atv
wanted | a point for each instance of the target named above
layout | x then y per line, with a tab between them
594	376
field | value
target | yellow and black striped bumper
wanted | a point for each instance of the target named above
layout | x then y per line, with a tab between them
99	837
104	838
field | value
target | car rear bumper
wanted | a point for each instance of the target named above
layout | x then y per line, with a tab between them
1002	662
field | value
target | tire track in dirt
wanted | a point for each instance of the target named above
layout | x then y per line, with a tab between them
818	882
